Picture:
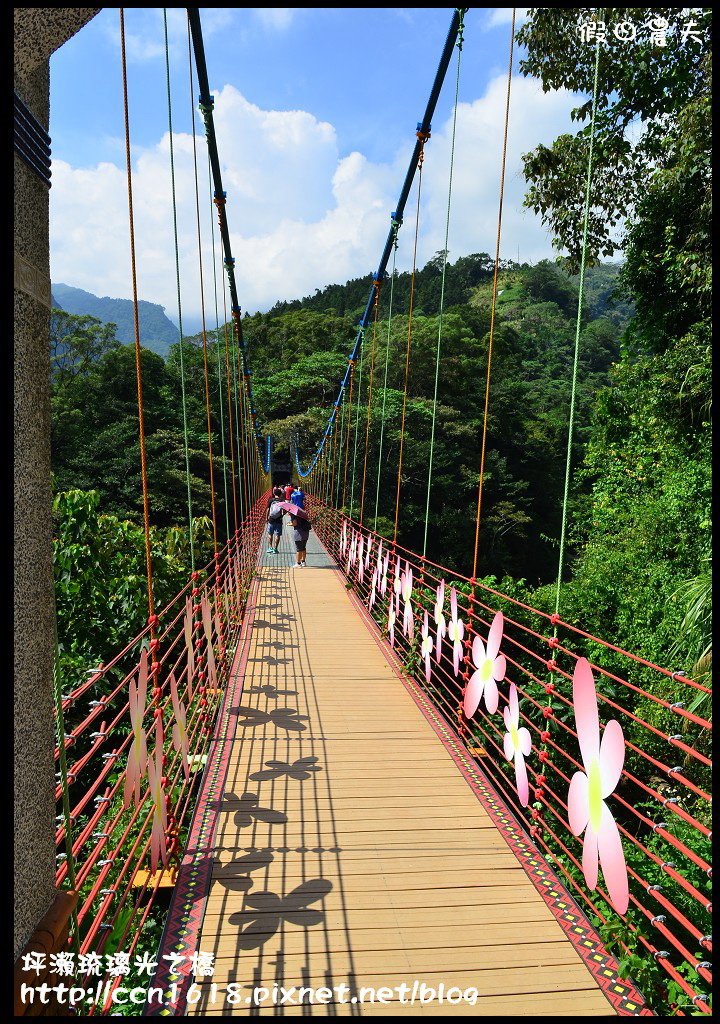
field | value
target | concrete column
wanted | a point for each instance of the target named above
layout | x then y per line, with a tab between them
38	32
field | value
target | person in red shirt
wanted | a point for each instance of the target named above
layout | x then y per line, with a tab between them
288	491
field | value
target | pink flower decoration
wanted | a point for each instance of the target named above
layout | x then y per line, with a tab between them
391	621
189	645
361	563
373	587
517	744
383	570
426	646
158	849
207	623
490	669
180	738
408	621
441	628
367	552
137	756
343	538
455	631
587	810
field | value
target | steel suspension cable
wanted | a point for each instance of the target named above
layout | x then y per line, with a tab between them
202	311
396	226
442	290
357	421
494	301
138	366
423	136
370	390
217	356
177	278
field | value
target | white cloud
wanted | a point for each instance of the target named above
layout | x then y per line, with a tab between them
503	16
301	215
277	18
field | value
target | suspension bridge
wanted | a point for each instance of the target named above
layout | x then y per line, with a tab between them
370	786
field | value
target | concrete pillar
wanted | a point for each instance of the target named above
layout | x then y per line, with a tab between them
37	33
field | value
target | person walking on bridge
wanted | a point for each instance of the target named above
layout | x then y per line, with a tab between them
298	497
288	490
275	519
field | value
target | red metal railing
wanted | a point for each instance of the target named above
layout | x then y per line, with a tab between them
119	876
660	802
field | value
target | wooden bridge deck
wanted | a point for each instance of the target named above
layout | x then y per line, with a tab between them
370	863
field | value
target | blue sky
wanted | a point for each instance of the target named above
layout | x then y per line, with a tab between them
315	113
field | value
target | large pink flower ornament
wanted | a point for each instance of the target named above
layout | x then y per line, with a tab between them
408	621
455	631
158	849
180	738
343	538
489	670
517	744
397	586
587	810
441	628
137	756
391	621
426	646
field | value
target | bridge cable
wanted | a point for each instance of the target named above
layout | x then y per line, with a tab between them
217	356
202	311
138	368
423	136
586	216
177	278
423	130
357	421
442	290
494	301
395	228
370	390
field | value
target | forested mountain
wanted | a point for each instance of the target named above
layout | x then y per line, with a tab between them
157	332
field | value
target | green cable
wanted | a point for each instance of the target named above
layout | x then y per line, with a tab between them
387	354
442	291
217	344
577	330
177	275
357	420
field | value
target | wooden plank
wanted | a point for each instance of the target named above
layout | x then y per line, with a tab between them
402	875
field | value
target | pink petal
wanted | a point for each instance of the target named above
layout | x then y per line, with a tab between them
472	695
590	858
499	667
578	804
612	756
478	651
525	740
453	603
521	779
513	705
508	746
438	646
612	861
586	712
495	636
491	696
427	667
507	718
